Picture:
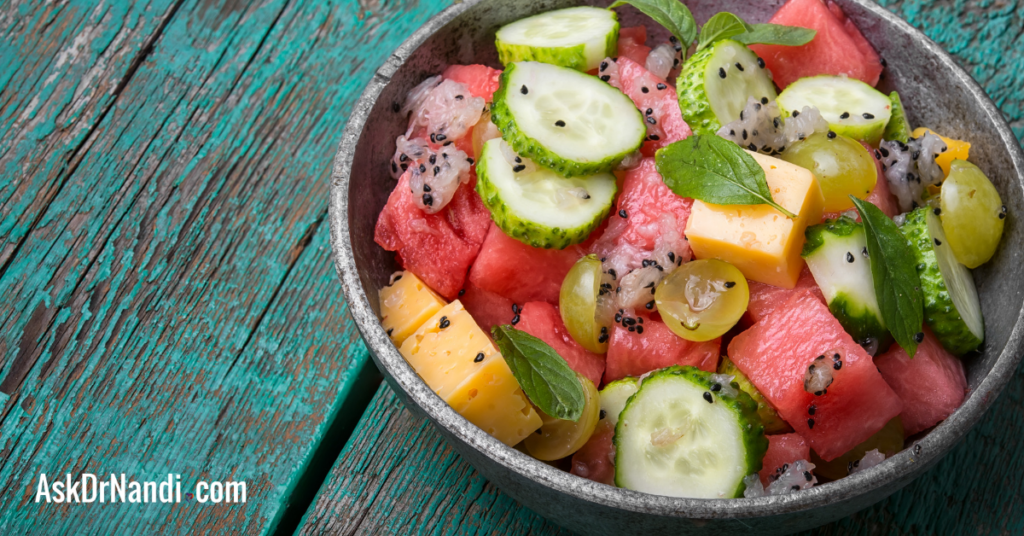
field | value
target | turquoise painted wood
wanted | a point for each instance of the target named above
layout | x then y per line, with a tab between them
397	476
169	304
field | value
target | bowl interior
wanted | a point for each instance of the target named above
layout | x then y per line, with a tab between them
936	94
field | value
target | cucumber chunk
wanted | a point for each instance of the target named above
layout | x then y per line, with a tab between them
897	128
836	253
536	205
951	306
851	107
773	424
677	437
577	38
716	83
614	397
565	120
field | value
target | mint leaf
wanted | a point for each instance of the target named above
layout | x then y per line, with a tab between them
897	285
716	171
723	25
775	34
672	14
544	376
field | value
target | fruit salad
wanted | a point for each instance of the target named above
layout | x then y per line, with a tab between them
719	265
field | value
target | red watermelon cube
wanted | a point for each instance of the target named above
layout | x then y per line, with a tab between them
631	44
519	272
651	346
487	308
783	449
838	48
932	384
659	102
596	458
775	354
481	80
765	298
542	320
438	248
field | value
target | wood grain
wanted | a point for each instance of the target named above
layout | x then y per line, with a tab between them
174	308
396	475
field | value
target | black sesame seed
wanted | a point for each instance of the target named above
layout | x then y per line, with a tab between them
730	284
846	115
428	200
811	409
831	135
437	169
462	292
764	100
559	123
433	159
470	160
796	113
395	107
716	387
602	414
721	72
631	328
744	134
622	213
390	330
652	121
604	65
639	330
884	151
752	147
937	211
611	271
760	63
868	116
807	476
515	308
605	77
919	337
649	111
849	257
603	338
938	242
519	168
661	87
810	423
426	187
479	357
515	320
708	397
423	168
655	137
777	122
394	167
444	323
441	137
649	305
796	488
864	251
459	97
739	65
644	89
523	90
405	167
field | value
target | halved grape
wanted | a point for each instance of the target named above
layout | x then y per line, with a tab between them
702	299
577	303
842	165
972	214
888	441
559	438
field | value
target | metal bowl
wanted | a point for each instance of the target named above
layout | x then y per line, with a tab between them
938	94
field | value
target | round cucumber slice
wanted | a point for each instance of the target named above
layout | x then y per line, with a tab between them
678	437
716	83
951	306
565	120
851	107
577	38
538	206
614	397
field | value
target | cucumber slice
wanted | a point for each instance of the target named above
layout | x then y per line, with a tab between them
851	107
716	83
565	120
577	38
951	306
614	397
678	438
836	253
537	206
897	128
773	424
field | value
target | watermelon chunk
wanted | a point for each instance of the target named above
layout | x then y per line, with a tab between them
438	248
519	272
542	320
838	48
631	44
660	98
631	353
481	80
881	196
766	298
775	355
932	384
596	458
783	449
487	308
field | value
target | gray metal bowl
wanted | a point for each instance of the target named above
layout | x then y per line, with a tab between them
937	93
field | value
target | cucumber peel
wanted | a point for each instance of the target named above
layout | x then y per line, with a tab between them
577	38
897	128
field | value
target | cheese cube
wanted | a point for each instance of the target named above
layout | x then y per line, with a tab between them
405	304
759	240
460	363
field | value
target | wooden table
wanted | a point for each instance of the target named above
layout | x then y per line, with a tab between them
168	303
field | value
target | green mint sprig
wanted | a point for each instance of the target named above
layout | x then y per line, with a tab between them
544	376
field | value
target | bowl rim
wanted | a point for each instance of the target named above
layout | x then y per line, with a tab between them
926	451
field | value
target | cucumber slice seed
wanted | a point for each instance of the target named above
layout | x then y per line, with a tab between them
577	38
836	254
614	397
716	83
565	120
539	207
676	437
851	107
951	306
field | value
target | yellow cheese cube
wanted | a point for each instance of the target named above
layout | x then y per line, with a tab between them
759	240
405	304
460	363
955	149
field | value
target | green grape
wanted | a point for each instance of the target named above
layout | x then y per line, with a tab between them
972	214
577	303
842	165
888	441
703	299
773	424
559	438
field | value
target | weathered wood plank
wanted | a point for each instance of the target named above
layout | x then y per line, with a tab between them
62	65
397	475
174	310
